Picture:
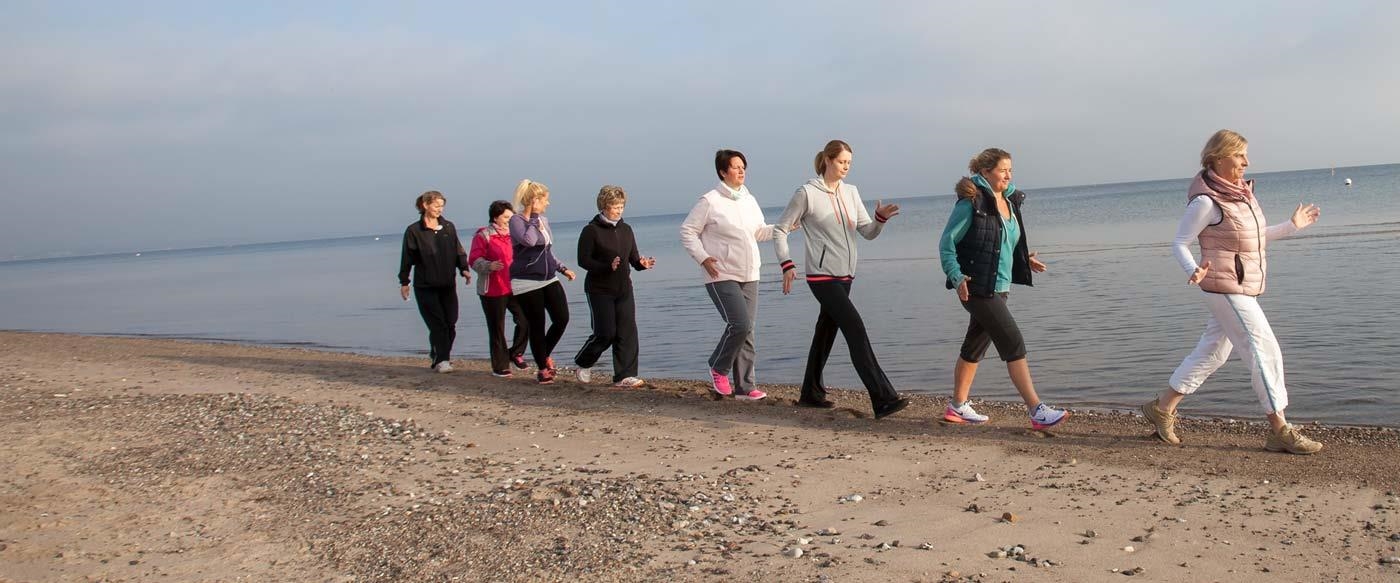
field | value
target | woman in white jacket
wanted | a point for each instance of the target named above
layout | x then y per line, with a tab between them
721	233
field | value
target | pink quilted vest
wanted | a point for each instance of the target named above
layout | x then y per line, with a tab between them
1234	246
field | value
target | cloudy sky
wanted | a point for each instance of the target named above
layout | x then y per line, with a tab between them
139	125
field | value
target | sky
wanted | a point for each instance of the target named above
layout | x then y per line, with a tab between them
147	125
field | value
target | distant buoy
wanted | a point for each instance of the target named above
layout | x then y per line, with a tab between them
376	238
1347	182
138	254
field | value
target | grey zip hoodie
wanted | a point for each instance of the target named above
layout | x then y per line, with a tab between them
829	219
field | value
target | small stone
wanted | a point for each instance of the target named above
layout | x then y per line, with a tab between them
922	547
997	554
883	547
1008	517
882	523
804	541
1017	551
1393	538
978	478
1390	561
828	532
1128	549
792	552
1090	534
954	574
854	498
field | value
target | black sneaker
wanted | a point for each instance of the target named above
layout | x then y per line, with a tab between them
888	409
822	404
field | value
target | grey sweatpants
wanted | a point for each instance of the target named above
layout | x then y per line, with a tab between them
737	303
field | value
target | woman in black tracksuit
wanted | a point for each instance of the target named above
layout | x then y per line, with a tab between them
607	250
435	256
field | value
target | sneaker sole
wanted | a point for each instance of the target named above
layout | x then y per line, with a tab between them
1041	426
748	398
954	418
1286	450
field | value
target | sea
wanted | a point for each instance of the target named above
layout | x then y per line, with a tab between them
1104	327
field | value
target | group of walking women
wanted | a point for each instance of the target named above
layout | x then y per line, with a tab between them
983	250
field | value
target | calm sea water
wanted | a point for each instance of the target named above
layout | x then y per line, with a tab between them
1105	326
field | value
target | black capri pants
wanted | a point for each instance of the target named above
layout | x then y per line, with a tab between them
991	324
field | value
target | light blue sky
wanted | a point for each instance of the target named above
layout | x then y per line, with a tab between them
139	125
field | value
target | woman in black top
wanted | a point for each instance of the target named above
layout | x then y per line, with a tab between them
607	250
431	249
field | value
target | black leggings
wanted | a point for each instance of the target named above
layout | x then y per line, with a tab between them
438	306
838	313
535	304
495	308
991	323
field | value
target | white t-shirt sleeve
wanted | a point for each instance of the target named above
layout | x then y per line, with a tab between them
1200	213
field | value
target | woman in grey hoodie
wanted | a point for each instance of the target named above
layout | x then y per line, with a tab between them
831	213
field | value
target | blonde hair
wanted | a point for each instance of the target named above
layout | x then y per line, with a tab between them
609	195
831	151
427	198
987	160
526	193
1222	144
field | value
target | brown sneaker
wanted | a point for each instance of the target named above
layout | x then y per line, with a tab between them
1289	439
1163	421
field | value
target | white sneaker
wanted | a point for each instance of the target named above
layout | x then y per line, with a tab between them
1046	416
963	414
443	367
630	383
585	374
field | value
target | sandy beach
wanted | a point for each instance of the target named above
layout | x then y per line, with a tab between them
155	460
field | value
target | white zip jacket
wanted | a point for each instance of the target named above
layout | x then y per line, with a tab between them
830	220
727	225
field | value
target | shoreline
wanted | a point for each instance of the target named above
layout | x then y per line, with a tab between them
479	365
134	459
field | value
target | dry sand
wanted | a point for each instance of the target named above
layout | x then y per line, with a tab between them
151	460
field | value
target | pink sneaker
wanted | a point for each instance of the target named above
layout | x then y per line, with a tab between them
753	395
720	383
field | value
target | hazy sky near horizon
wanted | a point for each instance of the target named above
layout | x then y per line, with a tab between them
140	125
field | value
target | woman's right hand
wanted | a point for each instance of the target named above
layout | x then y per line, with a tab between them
497	266
962	289
1199	274
403	292
709	264
788	276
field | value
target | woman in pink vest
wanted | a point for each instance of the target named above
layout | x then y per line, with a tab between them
491	256
1223	215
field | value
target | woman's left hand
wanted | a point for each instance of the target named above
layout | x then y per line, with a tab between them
886	210
1305	215
569	273
647	262
1036	265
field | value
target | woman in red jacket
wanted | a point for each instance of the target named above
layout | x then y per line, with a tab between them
490	256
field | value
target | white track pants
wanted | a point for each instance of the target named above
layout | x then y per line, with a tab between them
1236	320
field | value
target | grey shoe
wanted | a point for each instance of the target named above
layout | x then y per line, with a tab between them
1291	440
1163	421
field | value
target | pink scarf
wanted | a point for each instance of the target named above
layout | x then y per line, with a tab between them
1210	182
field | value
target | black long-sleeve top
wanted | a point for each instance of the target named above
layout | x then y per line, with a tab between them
436	257
598	244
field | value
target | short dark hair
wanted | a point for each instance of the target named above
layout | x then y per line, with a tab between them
724	157
497	208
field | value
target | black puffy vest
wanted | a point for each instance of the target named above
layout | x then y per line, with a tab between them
979	251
